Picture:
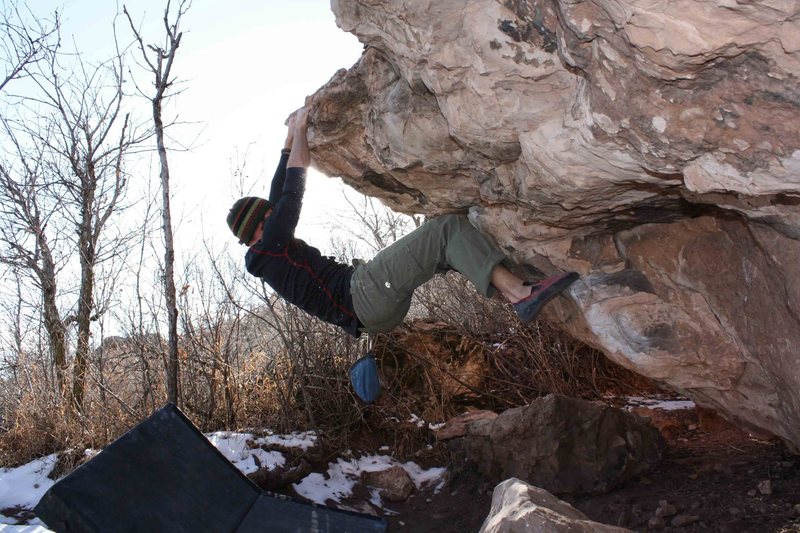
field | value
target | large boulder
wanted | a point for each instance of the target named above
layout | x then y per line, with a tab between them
520	507
652	146
565	445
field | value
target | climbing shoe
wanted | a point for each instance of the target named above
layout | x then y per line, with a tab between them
542	292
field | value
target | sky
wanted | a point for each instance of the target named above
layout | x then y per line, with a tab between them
244	66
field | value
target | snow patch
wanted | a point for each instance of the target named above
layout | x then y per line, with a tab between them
303	440
659	403
25	485
674	405
417	421
421	423
342	476
24	529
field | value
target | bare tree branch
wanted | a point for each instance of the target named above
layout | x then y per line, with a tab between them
26	39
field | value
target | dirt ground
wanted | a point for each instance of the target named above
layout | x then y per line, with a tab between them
713	477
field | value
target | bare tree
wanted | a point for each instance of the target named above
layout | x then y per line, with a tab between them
28	238
372	224
62	182
25	39
159	61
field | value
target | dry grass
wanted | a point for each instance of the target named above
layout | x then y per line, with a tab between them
42	426
437	372
473	352
467	352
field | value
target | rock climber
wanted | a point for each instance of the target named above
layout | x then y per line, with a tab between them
374	296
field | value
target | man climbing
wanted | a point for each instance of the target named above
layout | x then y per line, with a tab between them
374	296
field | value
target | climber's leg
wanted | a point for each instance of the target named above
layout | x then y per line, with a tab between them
382	288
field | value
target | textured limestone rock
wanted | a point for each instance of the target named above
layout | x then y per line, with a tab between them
518	506
457	427
564	445
652	146
395	483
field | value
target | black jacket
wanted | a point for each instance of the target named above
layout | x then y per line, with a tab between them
317	284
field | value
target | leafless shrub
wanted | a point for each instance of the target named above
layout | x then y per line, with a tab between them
40	426
459	350
450	298
273	364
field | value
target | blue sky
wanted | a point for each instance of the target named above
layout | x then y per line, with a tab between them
245	66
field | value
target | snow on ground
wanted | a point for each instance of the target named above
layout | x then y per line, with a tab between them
24	529
235	448
304	440
420	423
674	405
342	476
666	404
23	487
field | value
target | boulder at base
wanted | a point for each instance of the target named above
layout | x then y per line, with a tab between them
566	445
517	506
395	483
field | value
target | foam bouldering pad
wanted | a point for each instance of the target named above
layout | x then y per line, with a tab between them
164	475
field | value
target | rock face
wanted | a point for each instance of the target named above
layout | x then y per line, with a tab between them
652	146
517	506
395	483
564	445
457	427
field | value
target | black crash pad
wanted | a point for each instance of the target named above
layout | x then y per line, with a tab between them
164	475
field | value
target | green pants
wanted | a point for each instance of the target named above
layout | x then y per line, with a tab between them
382	287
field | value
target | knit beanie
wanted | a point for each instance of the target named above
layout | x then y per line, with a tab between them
245	215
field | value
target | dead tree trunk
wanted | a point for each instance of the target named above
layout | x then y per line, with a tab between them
27	248
169	249
160	65
93	219
53	323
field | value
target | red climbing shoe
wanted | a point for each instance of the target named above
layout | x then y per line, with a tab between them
543	291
